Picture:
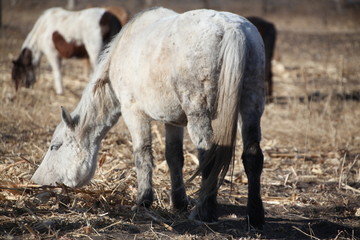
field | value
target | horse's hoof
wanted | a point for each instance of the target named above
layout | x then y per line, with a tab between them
255	225
256	221
256	215
143	205
180	205
137	208
145	199
203	216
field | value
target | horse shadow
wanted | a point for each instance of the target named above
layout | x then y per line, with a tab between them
233	222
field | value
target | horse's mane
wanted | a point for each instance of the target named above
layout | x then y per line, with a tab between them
33	34
99	94
100	76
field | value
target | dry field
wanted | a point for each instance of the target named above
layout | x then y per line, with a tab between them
311	140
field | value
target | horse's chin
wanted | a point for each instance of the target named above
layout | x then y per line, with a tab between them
44	179
71	173
45	176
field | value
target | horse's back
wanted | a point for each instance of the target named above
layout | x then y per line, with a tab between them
71	24
78	30
189	41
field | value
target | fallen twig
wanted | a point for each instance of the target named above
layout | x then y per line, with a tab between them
309	235
347	187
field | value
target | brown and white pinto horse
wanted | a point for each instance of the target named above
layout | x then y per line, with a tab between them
59	33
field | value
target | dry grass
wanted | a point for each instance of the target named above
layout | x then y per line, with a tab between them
310	179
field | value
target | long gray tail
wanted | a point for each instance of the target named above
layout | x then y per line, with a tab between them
218	158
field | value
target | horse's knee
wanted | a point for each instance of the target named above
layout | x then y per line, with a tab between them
58	84
253	159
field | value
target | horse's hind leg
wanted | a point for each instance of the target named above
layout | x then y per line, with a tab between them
206	207
175	159
140	130
200	131
253	161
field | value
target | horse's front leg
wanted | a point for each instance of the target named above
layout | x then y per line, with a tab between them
140	130
175	159
55	63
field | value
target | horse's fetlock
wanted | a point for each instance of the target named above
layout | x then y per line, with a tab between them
145	198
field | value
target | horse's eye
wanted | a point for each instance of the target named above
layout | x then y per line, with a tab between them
55	147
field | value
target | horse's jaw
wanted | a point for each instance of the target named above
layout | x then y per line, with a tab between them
68	172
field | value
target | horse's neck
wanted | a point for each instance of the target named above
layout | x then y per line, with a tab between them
99	110
32	43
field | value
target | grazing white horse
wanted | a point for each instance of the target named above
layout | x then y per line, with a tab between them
202	69
59	33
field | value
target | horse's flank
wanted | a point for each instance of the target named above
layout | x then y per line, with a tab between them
68	50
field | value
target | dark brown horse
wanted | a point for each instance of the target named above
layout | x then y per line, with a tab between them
268	33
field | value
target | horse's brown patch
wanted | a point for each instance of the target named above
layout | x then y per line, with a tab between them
121	13
66	49
110	26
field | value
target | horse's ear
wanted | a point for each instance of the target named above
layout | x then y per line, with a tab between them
66	117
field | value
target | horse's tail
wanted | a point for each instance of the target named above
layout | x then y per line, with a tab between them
233	50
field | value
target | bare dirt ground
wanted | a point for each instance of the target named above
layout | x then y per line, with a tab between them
311	139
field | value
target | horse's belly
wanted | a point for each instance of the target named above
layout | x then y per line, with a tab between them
166	110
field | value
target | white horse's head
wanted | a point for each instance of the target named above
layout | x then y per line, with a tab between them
71	157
